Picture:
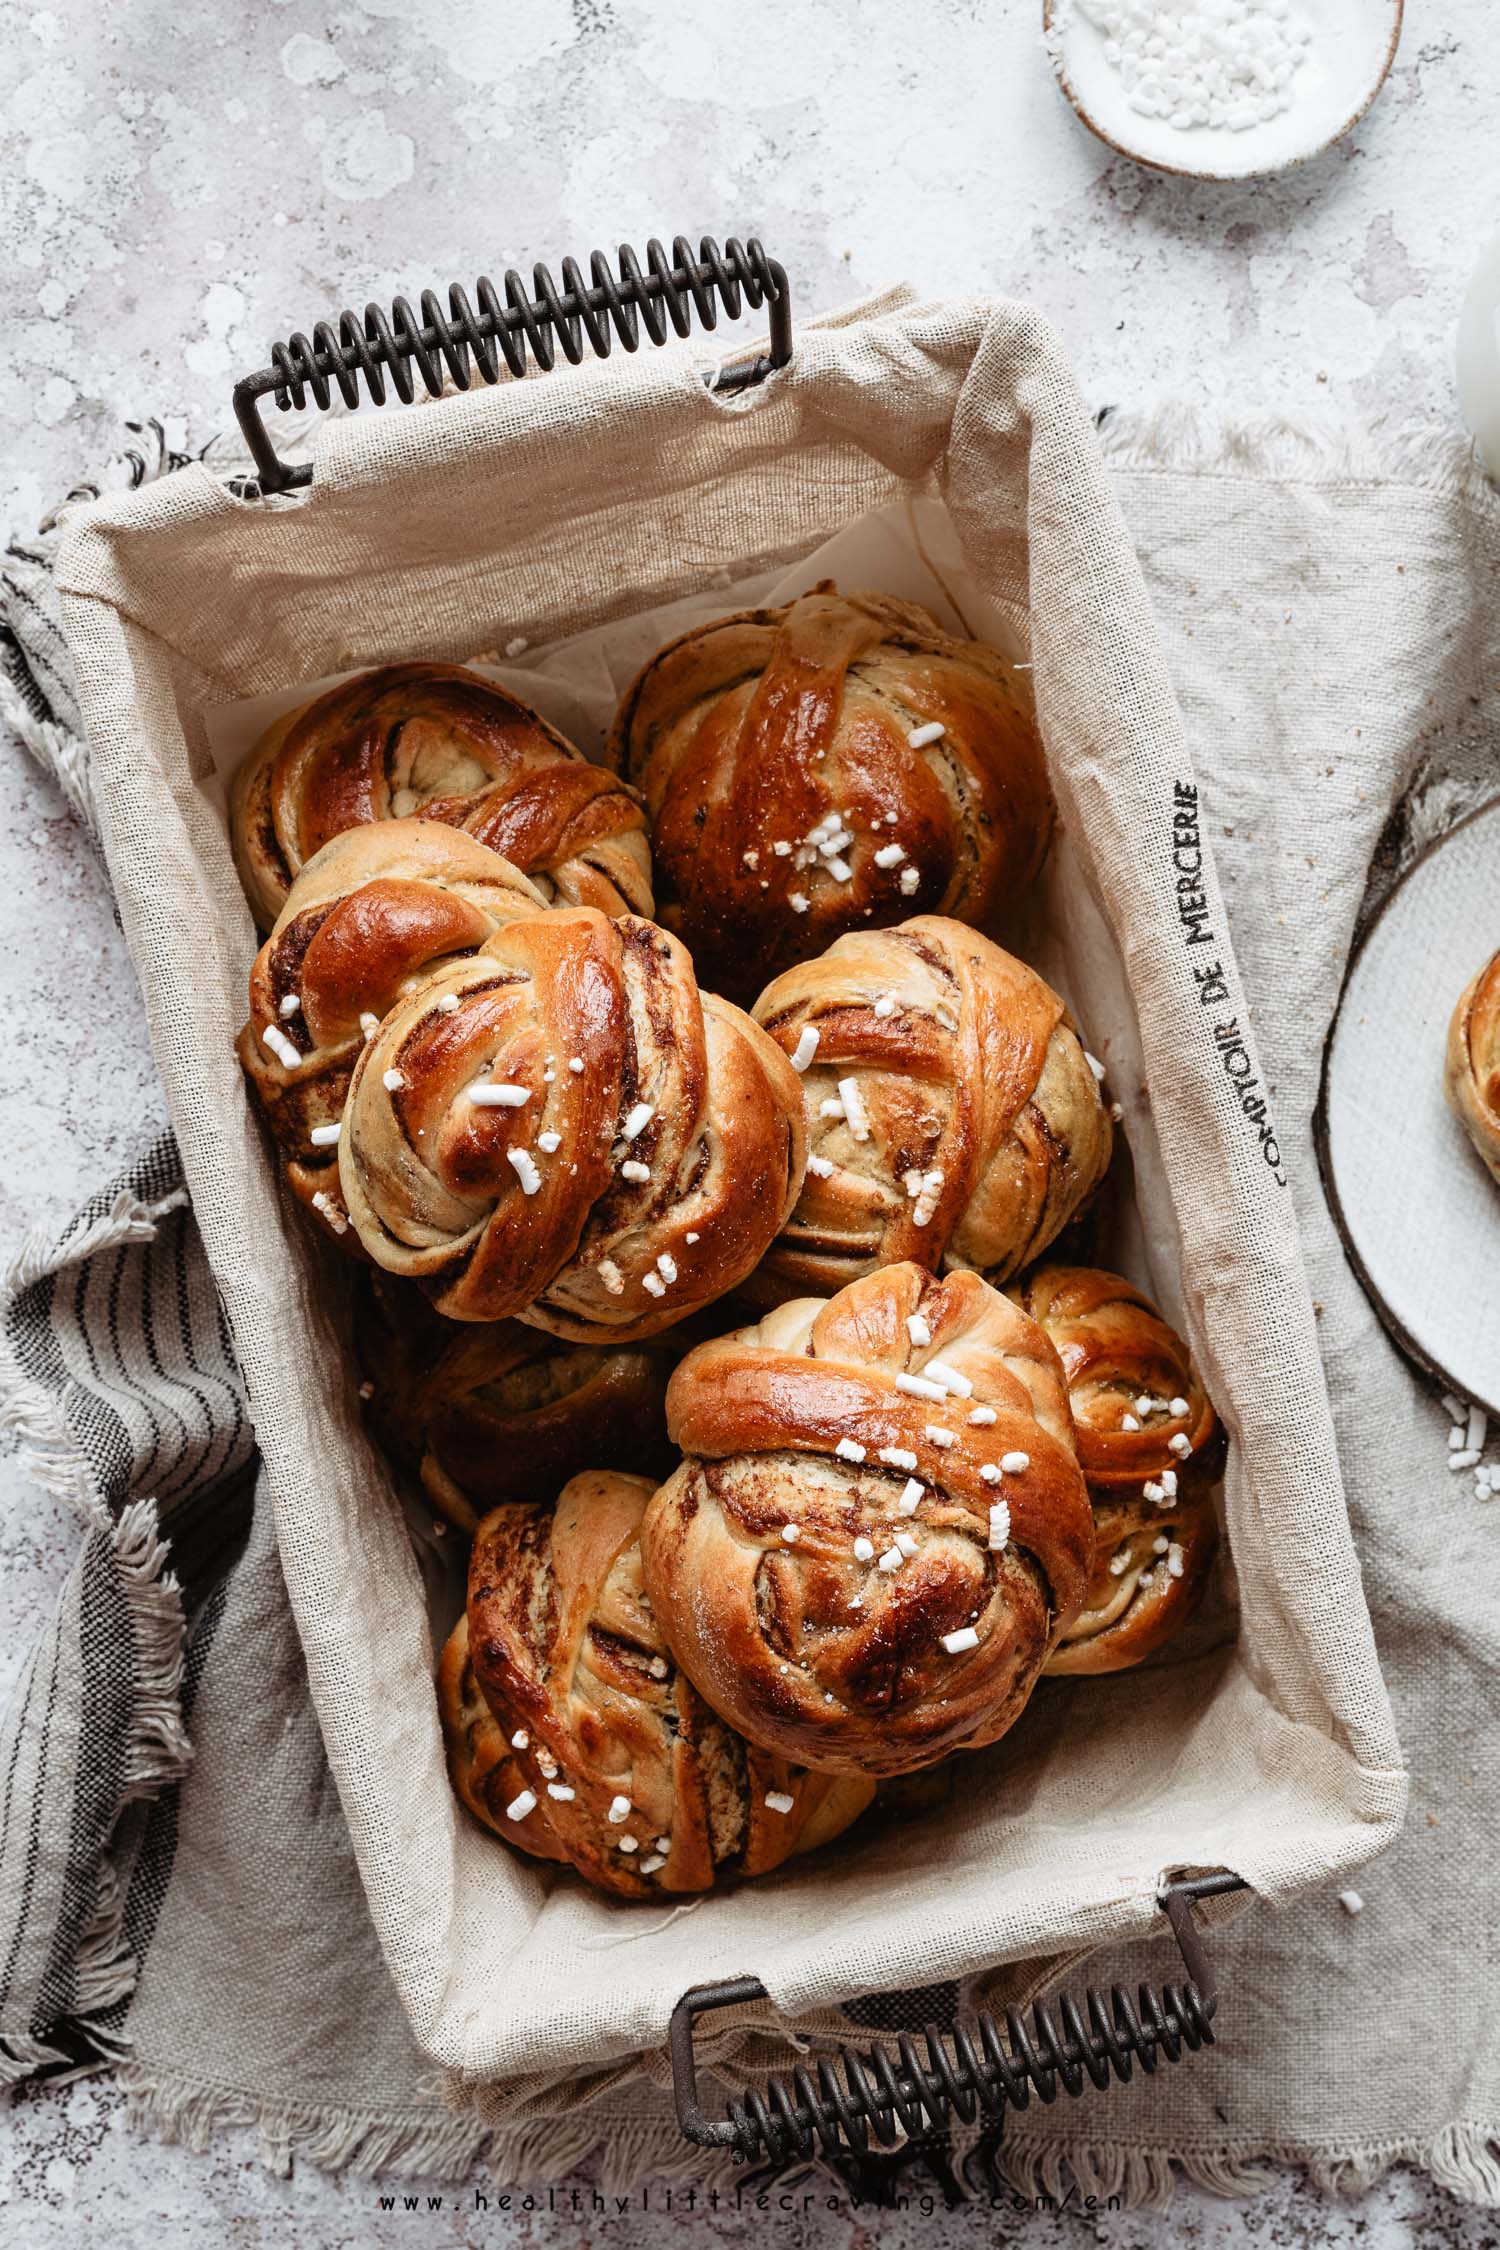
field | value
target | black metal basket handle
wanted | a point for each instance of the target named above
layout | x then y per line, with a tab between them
912	2093
582	315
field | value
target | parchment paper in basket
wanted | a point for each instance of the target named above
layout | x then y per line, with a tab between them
576	683
910	550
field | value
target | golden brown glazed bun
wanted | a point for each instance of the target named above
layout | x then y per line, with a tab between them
586	1700
481	1763
982	1131
436	742
540	1210
1151	1486
752	732
377	909
1471	1077
499	1413
776	1566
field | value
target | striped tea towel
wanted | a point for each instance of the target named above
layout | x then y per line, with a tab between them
118	1377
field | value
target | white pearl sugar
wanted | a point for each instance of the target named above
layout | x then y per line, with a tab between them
1225	64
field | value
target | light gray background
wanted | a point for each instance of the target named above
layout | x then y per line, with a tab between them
179	186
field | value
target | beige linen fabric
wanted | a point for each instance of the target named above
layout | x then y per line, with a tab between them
1328	611
538	509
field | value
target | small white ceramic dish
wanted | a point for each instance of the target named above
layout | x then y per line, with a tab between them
1419	1213
1353	47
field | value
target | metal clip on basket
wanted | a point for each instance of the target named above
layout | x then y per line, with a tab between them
911	2093
904	2100
451	346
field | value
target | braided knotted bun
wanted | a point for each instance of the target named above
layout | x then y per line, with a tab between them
492	1412
559	1689
953	1115
813	767
565	1129
373	913
1471	1076
482	1766
441	743
1151	1449
879	1531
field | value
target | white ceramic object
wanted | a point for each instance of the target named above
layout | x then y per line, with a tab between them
1353	47
1479	356
1418	1211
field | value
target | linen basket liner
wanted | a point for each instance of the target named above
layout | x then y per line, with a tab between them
449	530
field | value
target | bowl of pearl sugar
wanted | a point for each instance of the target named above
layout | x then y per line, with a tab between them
1221	89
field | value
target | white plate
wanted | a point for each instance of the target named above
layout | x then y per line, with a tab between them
1354	45
1419	1213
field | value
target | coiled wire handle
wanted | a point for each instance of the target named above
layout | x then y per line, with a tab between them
913	2091
440	346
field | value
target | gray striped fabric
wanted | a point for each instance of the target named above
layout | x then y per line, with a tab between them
117	1374
37	697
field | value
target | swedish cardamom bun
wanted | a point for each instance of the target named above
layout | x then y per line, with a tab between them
624	1770
1151	1449
954	1117
376	911
879	1531
825	765
436	742
1471	1076
492	1413
564	1128
486	1773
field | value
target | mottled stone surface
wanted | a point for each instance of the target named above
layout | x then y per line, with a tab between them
178	186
